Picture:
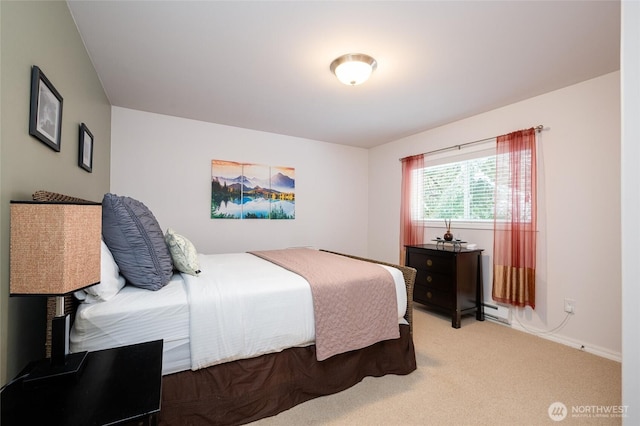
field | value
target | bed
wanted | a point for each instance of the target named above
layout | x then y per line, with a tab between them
272	354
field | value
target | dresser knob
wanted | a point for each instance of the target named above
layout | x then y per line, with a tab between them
429	278
429	295
429	262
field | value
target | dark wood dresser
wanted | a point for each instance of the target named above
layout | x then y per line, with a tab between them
449	279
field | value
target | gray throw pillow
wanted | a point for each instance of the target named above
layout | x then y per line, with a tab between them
135	239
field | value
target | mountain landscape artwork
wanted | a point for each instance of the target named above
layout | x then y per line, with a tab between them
251	191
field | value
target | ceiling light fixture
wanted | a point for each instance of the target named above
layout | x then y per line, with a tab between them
353	68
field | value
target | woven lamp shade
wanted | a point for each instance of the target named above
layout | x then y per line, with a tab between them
55	247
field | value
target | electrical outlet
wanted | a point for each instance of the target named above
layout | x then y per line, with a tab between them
570	306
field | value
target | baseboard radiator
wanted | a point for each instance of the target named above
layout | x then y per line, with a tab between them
499	313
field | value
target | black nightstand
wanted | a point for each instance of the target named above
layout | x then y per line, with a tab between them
116	386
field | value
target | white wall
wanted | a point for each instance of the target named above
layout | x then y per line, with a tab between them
347	199
165	162
579	197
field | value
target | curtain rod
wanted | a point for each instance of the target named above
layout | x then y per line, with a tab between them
538	129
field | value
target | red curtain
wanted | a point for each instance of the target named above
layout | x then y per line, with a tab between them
411	228
515	223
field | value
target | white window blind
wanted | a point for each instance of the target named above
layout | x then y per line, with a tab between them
459	190
462	188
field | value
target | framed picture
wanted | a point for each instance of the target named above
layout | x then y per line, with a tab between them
45	120
85	149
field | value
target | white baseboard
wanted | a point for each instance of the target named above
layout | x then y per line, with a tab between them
592	349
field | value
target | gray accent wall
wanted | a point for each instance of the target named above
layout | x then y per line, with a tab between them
42	33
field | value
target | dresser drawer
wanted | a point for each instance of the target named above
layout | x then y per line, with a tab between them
434	279
429	262
433	296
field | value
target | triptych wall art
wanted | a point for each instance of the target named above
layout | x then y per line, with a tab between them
252	191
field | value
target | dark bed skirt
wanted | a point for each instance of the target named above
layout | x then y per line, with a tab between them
243	391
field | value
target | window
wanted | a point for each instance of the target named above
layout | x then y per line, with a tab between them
461	188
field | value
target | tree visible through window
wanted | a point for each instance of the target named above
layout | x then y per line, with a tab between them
461	190
465	191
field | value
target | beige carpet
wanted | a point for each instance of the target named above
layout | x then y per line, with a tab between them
481	374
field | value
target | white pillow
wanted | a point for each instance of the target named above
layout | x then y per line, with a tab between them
111	282
183	253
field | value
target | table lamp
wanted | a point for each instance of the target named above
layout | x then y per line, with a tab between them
55	250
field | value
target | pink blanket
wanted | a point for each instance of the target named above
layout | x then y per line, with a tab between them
354	302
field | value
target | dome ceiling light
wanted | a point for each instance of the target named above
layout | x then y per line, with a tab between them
353	68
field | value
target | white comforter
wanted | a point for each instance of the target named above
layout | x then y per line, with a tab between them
242	306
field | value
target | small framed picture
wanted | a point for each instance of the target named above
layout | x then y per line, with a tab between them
45	118
85	149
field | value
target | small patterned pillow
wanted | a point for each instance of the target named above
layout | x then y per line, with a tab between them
183	253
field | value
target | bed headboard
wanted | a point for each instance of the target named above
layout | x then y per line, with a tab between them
70	302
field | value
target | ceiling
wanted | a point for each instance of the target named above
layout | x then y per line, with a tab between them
264	65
